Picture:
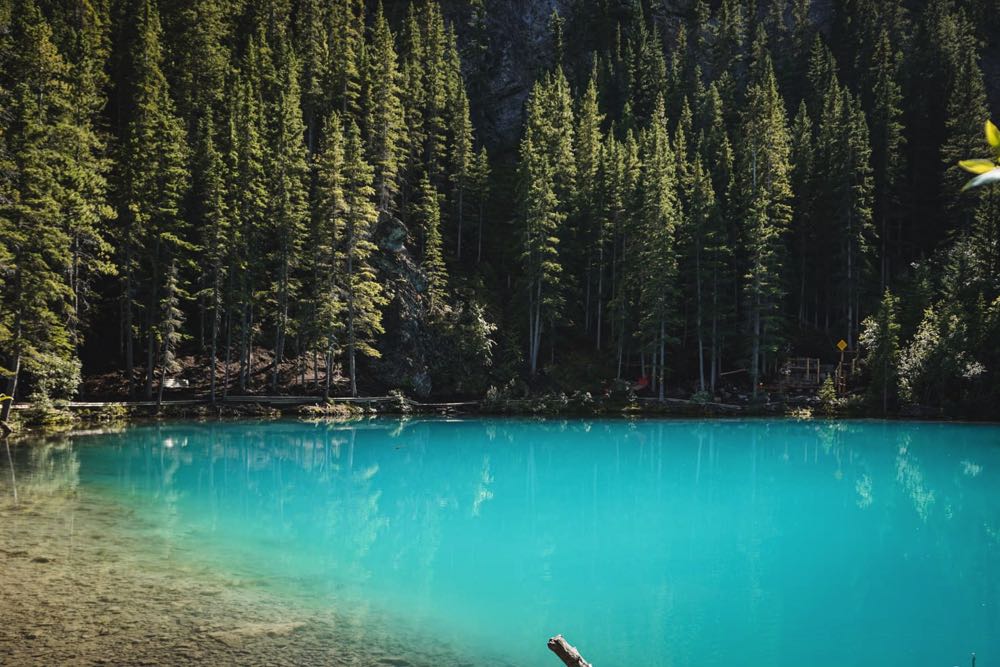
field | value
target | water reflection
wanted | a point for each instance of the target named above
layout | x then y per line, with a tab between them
658	542
47	469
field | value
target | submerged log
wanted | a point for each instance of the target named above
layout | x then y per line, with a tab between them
568	654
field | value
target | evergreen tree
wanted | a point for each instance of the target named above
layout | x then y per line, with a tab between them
412	95
363	296
627	273
542	221
346	40
314	52
822	74
966	110
287	169
802	37
766	193
843	174
612	202
588	139
428	214
201	60
212	210
716	153
880	339
170	323
384	120
888	142
658	221
705	238
481	188
35	297
648	71
85	161
249	201
730	45
462	158
437	41
328	234
805	217
153	183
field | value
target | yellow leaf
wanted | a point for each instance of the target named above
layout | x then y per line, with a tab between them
977	166
992	134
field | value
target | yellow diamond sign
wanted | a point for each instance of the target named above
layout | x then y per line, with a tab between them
842	345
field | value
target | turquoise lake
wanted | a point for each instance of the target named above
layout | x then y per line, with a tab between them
650	542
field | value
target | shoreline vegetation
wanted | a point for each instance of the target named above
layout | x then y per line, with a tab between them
27	419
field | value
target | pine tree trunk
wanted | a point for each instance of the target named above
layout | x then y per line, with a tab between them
244	327
151	322
698	317
215	331
350	317
12	384
663	352
802	289
163	371
329	372
552	341
621	352
229	353
714	361
600	295
279	338
479	239
127	325
885	386
755	348
850	289
461	194
250	348
535	324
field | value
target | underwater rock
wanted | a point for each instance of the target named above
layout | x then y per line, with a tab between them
238	637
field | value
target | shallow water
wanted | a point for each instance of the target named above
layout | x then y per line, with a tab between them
645	543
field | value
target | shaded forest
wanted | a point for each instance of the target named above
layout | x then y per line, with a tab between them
336	197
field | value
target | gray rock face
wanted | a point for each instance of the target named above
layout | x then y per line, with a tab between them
518	50
404	363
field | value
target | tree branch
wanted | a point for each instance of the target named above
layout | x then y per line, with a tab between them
568	654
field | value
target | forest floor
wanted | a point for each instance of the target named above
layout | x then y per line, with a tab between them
296	376
77	589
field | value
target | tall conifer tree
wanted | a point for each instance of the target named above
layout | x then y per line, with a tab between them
766	194
153	183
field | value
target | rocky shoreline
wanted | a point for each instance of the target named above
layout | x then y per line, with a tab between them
79	588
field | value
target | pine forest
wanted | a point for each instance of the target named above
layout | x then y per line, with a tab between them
687	199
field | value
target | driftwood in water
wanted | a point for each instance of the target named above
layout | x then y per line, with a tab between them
568	654
4	429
